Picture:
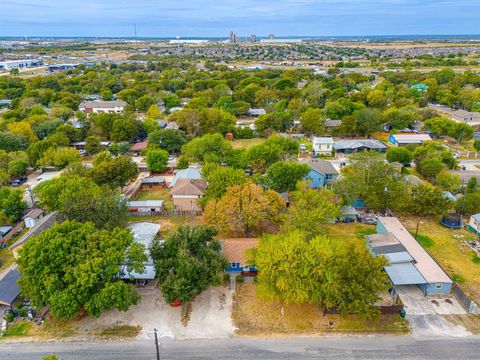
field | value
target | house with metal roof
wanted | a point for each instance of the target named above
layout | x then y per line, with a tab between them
409	262
353	146
143	233
322	173
186	193
474	224
189	173
408	139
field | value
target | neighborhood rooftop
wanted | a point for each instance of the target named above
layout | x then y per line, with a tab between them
234	249
322	166
356	144
146	203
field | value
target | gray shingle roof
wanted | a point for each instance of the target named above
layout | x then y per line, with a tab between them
356	144
322	166
9	289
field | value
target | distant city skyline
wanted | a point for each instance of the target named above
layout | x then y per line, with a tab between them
208	18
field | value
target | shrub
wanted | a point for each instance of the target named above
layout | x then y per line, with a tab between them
239	278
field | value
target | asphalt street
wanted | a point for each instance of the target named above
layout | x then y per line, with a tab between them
373	347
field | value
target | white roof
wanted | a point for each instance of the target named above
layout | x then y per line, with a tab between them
412	137
144	232
428	268
323	140
146	203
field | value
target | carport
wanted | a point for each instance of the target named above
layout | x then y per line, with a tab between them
404	274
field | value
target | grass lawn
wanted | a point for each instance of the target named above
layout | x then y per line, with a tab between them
246	143
254	317
168	223
448	247
121	331
18	329
6	258
350	231
161	194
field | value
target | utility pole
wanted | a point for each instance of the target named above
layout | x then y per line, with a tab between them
135	29
157	349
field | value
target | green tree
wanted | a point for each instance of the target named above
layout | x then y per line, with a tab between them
157	160
283	175
399	154
320	271
12	142
427	200
169	139
311	209
11	205
219	179
430	168
82	200
188	262
72	266
312	122
113	171
93	145
208	148
59	157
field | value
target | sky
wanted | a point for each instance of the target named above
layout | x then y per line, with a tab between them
206	18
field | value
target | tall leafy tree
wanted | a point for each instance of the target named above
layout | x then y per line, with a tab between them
157	160
12	205
113	171
244	209
188	262
219	179
283	176
72	267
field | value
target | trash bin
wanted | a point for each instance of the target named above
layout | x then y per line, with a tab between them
403	313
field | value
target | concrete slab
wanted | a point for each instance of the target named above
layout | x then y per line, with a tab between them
416	303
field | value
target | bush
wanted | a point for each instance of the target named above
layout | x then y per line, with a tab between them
9	317
226	277
239	278
22	312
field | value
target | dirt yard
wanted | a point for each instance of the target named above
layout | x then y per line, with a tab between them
210	317
254	317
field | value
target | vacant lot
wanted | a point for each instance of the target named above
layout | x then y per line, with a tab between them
168	223
160	194
448	247
254	317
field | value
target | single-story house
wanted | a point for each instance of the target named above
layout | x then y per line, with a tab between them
138	147
186	193
9	289
256	112
32	217
80	145
102	106
41	224
143	233
189	173
322	173
353	146
474	224
153	182
408	139
322	146
235	252
145	206
348	214
394	240
162	123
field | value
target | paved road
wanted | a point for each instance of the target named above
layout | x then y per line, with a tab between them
374	347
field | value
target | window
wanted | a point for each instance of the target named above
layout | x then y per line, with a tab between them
438	285
233	265
328	176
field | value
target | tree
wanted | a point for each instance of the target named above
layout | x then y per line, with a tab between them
367	121
208	148
157	160
430	168
311	209
283	176
427	200
312	122
12	142
461	132
219	179
11	205
113	171
476	145
244	209
154	112
216	121
72	267
320	271
59	157
188	262
93	145
82	200
171	140
399	154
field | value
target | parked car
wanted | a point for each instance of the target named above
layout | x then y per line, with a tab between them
19	181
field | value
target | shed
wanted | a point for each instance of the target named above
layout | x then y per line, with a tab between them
32	217
138	147
153	182
348	214
4	230
145	206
